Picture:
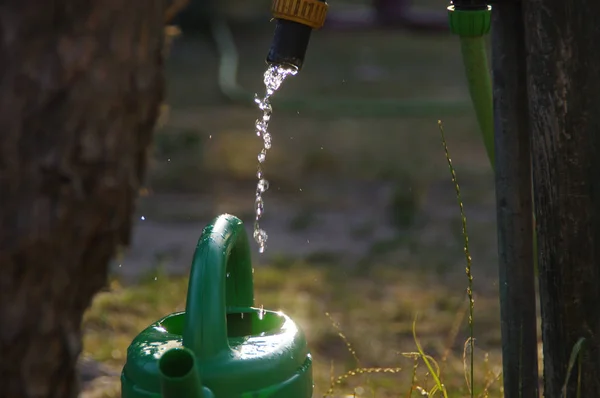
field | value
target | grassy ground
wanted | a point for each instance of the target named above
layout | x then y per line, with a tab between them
206	154
374	311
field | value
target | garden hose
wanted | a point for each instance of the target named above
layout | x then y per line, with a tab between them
338	107
472	22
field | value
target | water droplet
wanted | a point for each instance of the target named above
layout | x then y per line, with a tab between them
261	237
267	139
266	107
261	157
156	278
142	218
261	127
259	206
263	185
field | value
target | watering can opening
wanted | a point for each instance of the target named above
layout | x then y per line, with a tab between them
253	322
240	323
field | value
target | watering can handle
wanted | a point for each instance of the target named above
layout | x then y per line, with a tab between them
220	278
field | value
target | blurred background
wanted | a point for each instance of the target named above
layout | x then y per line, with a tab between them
362	214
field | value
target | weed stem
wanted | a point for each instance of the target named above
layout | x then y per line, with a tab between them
467	255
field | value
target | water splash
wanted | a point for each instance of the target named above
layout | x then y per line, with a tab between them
273	78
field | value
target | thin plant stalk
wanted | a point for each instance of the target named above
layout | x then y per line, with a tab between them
467	257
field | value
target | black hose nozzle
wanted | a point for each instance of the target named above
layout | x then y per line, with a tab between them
295	20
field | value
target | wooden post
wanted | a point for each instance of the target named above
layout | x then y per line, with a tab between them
564	98
514	203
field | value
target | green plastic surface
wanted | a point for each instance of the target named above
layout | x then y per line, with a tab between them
221	346
480	88
470	23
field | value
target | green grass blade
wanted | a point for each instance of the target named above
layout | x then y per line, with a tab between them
575	354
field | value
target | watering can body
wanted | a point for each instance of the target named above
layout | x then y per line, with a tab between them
221	346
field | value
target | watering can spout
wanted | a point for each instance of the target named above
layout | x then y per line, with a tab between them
295	20
179	377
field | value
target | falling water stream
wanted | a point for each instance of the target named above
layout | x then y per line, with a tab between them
274	77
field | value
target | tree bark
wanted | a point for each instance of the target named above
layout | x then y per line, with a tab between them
80	89
564	99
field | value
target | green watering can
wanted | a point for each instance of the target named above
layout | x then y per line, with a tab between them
221	346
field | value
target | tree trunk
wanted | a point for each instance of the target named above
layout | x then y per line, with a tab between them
564	91
81	84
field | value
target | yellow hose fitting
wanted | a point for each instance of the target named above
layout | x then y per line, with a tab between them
306	12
